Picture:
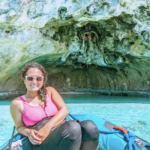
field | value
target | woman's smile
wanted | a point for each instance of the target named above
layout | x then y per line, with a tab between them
34	86
34	79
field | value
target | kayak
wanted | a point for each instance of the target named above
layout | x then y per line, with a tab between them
111	137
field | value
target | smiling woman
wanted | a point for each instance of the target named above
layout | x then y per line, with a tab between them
40	115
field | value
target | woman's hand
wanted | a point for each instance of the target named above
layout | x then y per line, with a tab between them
43	132
34	139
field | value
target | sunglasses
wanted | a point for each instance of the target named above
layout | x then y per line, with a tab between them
38	78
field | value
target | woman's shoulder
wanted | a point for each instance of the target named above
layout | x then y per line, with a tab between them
50	90
16	103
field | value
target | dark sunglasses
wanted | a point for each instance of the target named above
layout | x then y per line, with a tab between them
38	78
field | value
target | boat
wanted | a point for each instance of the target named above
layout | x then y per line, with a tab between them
111	137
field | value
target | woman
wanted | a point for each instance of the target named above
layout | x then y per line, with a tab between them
42	101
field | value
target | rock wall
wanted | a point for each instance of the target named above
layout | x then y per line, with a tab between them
95	44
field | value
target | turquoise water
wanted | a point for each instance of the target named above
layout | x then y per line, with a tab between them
132	113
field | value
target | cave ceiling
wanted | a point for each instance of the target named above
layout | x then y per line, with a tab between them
92	44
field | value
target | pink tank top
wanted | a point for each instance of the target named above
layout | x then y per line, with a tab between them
34	114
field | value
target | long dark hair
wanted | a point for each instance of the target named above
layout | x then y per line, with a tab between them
42	91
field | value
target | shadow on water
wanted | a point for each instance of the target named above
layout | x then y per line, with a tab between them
104	99
5	102
82	98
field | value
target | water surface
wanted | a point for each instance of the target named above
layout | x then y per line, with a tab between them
132	113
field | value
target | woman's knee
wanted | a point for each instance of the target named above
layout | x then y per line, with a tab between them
89	130
72	131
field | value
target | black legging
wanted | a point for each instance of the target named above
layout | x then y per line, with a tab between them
71	136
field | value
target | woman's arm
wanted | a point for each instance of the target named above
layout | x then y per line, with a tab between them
16	110
60	104
59	117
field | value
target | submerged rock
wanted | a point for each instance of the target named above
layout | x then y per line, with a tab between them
96	44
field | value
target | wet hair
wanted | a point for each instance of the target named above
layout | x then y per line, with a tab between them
42	91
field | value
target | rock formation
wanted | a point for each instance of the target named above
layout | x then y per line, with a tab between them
95	44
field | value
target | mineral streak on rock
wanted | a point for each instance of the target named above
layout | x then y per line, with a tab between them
95	44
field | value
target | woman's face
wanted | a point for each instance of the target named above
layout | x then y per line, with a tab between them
34	79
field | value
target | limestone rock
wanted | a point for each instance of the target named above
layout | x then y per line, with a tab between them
102	44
